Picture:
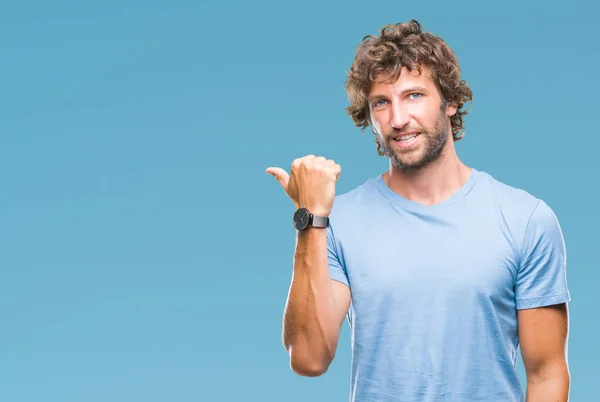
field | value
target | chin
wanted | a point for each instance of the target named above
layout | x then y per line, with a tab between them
409	160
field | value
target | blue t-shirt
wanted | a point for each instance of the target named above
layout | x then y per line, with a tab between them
436	289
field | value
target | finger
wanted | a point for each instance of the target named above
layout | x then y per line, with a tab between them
307	160
300	161
337	171
311	160
281	175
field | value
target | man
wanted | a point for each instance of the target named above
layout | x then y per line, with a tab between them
441	270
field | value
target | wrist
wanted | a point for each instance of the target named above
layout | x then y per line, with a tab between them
315	210
304	219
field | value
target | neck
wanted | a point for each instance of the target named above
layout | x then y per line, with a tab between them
431	184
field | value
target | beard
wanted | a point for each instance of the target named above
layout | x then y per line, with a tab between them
428	152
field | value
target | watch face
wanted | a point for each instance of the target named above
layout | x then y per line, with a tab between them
301	218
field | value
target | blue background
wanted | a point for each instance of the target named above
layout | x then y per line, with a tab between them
144	253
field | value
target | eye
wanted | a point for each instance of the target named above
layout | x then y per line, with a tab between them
378	103
414	95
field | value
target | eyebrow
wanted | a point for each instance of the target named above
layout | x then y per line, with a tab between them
414	89
405	91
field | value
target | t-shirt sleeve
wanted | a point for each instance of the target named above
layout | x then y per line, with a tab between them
542	276
337	271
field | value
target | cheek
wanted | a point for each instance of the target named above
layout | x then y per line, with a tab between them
420	111
426	117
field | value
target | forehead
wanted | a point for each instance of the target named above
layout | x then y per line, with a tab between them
406	80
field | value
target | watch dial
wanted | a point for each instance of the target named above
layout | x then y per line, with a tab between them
301	219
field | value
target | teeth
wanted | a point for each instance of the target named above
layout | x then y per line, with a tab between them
406	138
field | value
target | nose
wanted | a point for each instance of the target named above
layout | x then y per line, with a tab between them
400	116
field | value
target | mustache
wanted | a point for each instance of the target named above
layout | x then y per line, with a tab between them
404	130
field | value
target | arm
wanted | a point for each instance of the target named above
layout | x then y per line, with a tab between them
542	295
543	334
315	307
316	304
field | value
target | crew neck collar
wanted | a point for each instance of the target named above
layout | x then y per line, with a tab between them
396	198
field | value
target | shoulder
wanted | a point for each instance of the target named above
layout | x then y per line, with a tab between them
517	204
508	194
526	214
357	199
351	208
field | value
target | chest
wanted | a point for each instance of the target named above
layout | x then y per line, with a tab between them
412	260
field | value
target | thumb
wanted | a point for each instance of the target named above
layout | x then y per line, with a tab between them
281	175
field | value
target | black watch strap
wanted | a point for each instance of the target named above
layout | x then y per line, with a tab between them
320	221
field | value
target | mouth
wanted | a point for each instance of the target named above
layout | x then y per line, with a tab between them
406	140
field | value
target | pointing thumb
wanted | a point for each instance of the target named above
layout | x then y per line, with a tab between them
281	175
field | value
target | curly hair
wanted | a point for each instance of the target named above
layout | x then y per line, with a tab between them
406	45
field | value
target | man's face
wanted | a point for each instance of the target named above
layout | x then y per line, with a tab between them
408	118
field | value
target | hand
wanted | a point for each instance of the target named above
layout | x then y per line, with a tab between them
311	183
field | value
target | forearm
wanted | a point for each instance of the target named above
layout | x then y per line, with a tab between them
310	331
550	384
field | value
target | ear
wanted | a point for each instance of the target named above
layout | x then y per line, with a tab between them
450	110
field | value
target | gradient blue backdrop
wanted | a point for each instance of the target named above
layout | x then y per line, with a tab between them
144	253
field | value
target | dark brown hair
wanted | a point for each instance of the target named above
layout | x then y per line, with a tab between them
406	45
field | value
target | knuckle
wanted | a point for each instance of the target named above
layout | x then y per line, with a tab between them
321	161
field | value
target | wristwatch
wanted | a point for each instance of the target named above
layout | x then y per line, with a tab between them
304	219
